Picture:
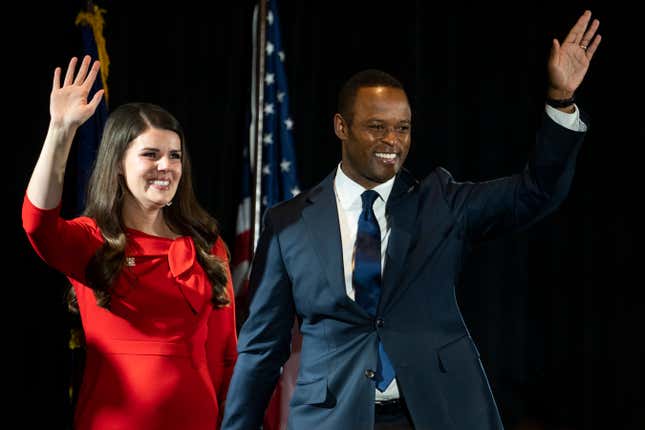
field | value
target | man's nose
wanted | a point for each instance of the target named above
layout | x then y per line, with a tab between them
390	136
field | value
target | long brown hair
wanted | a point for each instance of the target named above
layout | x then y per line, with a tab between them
105	193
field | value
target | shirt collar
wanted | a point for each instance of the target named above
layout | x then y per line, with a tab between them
349	192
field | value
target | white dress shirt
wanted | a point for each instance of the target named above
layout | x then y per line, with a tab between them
349	205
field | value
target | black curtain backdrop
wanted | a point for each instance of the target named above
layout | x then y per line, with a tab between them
554	310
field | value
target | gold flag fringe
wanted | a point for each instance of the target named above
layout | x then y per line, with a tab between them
93	17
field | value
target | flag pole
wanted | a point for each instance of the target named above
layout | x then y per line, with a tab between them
256	149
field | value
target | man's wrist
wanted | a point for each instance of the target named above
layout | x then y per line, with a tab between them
560	99
561	103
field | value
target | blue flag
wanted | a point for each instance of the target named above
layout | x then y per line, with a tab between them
89	134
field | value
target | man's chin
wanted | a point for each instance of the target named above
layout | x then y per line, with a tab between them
385	174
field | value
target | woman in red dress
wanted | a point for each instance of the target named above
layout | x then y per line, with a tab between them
149	271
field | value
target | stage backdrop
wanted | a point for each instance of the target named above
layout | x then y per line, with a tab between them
553	310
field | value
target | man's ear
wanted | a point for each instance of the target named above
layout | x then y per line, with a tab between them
341	128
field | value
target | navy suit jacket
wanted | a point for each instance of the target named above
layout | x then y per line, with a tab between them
298	271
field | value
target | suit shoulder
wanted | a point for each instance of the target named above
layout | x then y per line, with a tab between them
440	175
297	203
441	181
286	211
289	205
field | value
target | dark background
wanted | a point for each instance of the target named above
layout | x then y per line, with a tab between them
555	310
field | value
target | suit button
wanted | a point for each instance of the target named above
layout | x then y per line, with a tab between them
380	323
369	373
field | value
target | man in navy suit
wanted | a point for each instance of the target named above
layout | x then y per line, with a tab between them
304	267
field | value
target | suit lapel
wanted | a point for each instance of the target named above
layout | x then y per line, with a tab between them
321	220
400	211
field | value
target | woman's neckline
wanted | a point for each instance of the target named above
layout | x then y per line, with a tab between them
154	236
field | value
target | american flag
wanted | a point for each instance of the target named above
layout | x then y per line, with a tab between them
242	248
279	181
279	178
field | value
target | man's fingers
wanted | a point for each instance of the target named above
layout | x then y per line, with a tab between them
576	33
592	48
589	34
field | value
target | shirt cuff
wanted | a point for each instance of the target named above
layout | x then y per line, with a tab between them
571	121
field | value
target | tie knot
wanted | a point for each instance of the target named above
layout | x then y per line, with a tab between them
369	196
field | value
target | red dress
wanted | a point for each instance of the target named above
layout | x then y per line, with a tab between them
162	356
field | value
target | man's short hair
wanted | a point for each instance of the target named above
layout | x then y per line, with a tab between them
365	78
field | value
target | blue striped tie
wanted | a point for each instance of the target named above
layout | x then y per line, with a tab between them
366	277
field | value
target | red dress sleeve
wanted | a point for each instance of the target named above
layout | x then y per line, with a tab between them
221	343
65	245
